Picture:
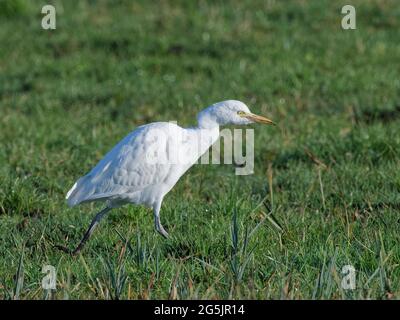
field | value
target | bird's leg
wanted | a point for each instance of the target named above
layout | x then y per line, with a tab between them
88	233
160	229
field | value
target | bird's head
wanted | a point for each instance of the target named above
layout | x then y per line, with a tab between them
230	112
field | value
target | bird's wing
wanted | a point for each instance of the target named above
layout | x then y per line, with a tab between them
138	161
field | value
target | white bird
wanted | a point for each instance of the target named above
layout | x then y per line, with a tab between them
144	166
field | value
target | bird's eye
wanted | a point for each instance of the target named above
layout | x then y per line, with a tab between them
240	113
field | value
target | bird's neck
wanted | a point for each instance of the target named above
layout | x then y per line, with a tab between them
206	136
207	121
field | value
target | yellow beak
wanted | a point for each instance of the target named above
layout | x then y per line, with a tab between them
258	119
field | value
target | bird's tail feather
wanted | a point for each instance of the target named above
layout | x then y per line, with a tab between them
78	193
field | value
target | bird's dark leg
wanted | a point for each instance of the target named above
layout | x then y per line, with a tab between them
157	222
88	233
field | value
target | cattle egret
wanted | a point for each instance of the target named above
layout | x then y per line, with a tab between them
144	166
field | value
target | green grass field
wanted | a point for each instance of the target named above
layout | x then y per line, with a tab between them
325	192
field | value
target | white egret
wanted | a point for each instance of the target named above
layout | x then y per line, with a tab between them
144	166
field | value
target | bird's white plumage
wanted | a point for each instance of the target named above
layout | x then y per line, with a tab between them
144	166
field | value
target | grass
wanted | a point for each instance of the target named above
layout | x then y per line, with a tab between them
325	192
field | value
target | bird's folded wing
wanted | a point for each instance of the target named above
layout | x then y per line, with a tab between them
133	164
150	155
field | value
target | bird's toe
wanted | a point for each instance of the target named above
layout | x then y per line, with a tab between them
163	232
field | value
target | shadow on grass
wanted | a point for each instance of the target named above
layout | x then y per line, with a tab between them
373	116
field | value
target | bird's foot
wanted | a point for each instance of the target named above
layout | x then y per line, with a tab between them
65	250
160	229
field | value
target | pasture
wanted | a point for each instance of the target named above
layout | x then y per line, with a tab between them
325	191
